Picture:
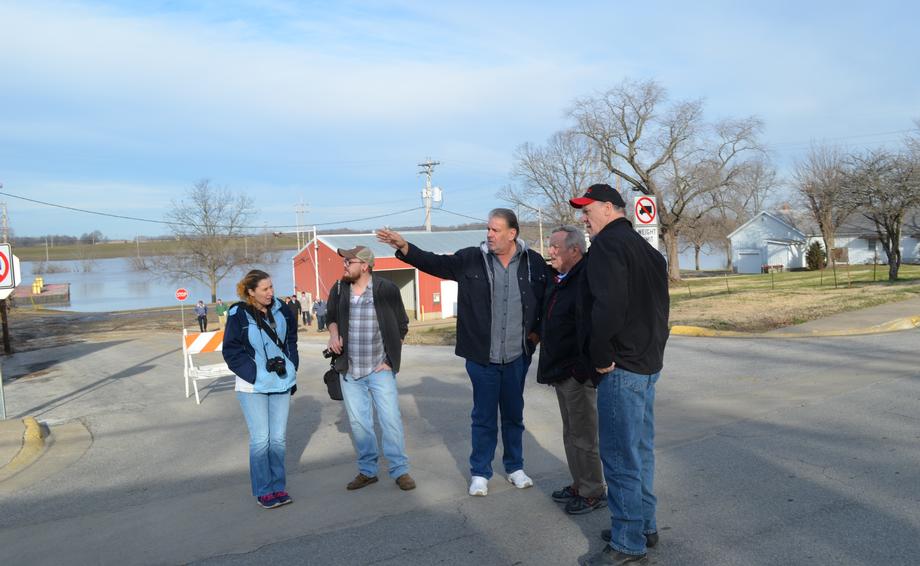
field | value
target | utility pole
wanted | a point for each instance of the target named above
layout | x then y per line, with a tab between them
540	216
316	263
428	193
4	221
301	211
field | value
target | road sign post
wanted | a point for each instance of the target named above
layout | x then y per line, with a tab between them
9	278
181	295
646	214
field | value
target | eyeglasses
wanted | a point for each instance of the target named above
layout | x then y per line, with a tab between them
348	262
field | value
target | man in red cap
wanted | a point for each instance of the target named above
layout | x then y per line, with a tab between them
625	329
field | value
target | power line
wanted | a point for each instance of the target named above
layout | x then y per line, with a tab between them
167	223
461	215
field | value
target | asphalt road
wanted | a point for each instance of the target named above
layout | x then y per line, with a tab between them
768	452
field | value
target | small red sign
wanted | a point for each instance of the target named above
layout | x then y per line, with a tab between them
181	294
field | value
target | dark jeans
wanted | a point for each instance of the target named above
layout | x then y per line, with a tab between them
497	387
203	323
320	322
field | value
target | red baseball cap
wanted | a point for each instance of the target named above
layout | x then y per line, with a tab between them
599	192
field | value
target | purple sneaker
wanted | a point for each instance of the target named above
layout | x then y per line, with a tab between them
283	497
269	501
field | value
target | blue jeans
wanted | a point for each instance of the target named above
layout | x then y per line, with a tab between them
375	393
497	387
266	416
626	431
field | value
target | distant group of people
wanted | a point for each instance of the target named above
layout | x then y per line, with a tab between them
599	316
303	307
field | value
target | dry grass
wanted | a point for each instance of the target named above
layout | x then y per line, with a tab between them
756	311
764	302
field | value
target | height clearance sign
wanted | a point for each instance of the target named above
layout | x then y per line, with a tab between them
645	211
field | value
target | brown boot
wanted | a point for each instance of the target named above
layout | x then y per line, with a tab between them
405	482
360	481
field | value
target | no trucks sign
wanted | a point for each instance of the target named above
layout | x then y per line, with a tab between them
646	214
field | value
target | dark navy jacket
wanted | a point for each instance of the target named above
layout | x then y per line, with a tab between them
469	268
561	356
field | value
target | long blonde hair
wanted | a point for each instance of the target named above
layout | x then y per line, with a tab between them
249	282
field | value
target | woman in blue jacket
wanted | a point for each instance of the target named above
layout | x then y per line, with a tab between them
260	347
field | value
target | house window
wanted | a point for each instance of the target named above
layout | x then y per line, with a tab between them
873	245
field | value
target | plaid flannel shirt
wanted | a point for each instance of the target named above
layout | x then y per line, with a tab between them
365	344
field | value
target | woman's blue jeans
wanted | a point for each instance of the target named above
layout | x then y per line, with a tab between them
266	416
626	434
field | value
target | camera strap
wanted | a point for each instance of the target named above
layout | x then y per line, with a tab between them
268	330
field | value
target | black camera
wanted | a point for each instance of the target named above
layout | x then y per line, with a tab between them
328	353
276	365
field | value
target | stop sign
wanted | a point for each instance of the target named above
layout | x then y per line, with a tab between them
181	294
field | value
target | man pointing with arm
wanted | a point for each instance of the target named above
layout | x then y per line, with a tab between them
500	288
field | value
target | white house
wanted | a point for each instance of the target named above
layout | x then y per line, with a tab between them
857	242
767	239
770	239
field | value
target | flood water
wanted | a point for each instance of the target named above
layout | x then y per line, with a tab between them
113	284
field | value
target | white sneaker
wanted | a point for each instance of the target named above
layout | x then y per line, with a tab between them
520	479
479	486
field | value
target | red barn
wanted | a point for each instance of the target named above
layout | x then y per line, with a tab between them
425	296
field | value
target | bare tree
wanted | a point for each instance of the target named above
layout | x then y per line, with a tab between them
885	187
552	174
664	151
819	181
209	227
699	230
748	194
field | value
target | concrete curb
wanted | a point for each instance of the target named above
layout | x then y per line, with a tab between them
33	444
906	323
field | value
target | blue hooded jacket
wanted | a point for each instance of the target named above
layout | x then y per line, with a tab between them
247	348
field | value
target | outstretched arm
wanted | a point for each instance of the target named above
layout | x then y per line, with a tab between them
393	239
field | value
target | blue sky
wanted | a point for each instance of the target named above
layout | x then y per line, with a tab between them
119	107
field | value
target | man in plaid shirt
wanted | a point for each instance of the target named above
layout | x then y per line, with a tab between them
367	322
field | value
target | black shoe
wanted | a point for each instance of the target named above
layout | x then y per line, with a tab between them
565	494
651	539
580	505
611	556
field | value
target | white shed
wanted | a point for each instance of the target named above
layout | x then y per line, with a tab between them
767	239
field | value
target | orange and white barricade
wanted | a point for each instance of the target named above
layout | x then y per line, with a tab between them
201	343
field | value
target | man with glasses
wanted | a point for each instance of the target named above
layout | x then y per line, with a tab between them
626	329
367	323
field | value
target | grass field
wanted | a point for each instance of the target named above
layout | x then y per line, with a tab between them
764	302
